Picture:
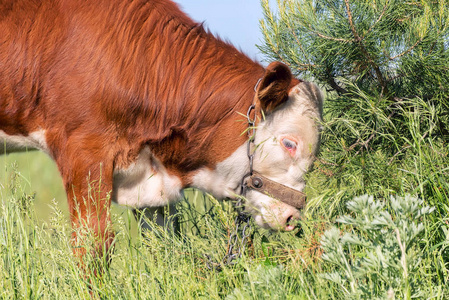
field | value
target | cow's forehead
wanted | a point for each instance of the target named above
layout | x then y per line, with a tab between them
301	114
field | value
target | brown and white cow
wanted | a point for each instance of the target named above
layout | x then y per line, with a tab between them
134	101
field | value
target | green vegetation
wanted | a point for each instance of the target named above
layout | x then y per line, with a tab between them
384	67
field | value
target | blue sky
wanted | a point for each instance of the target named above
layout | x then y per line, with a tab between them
236	21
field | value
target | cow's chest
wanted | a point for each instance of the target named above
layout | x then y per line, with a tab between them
145	183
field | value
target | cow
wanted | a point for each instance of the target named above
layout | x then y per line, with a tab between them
135	101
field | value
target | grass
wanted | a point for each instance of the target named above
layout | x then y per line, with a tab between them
339	253
38	175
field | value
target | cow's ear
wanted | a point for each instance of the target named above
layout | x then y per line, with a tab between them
274	86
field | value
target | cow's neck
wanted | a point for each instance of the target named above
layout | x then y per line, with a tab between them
197	120
211	140
214	162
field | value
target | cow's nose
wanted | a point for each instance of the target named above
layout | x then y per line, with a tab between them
290	218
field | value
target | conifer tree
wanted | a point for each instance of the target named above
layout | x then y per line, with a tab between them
392	49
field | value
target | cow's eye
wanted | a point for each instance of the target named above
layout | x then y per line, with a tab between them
289	145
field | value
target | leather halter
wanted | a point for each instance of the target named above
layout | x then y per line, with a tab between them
275	190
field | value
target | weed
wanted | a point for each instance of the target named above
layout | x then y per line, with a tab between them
379	254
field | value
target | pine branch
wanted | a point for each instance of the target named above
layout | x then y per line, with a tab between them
340	90
359	41
351	24
406	51
328	37
300	46
378	20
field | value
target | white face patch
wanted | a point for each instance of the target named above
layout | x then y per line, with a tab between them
224	181
145	183
17	143
286	144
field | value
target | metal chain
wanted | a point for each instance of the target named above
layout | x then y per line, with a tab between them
243	220
236	249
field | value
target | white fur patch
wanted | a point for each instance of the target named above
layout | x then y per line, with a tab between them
13	143
145	183
224	181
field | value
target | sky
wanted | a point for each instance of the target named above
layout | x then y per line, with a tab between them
236	21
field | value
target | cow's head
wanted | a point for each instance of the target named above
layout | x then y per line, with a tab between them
286	142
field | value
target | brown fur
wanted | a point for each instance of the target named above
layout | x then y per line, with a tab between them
106	78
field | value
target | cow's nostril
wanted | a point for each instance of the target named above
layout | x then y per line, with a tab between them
290	223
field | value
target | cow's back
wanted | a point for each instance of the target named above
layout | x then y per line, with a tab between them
26	50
